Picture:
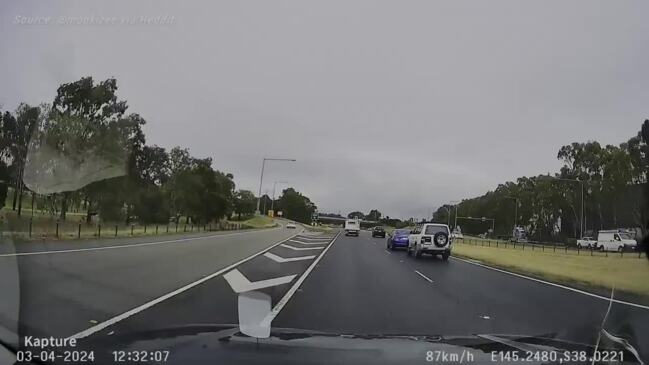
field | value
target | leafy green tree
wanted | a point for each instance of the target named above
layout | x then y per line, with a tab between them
16	135
204	194
296	206
86	127
373	215
356	214
153	165
245	203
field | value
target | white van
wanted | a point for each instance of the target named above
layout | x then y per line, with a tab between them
352	227
615	240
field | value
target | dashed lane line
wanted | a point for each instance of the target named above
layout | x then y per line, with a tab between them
424	276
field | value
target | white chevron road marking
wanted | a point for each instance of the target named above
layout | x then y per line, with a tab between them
241	284
290	259
309	243
300	248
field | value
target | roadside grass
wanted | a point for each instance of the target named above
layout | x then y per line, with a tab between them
325	228
259	221
628	274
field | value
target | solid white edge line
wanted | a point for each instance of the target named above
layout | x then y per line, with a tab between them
131	245
424	276
282	302
554	284
388	252
111	321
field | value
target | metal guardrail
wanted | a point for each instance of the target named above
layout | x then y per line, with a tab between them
540	247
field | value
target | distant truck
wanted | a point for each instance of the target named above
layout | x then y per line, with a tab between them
352	227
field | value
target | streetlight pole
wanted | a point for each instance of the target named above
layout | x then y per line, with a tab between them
272	204
515	209
455	223
261	179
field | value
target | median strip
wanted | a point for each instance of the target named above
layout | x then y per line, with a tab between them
129	313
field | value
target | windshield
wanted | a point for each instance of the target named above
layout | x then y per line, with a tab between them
431	230
169	169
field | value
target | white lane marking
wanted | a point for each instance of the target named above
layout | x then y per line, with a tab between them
111	321
554	284
301	248
374	242
240	284
128	245
388	252
424	276
308	243
290	259
278	307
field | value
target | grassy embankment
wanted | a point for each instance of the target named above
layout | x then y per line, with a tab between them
600	273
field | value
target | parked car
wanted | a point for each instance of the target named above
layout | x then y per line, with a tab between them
587	242
352	227
519	234
432	238
378	231
398	239
615	240
291	225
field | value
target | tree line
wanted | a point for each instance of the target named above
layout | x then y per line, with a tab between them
85	152
549	207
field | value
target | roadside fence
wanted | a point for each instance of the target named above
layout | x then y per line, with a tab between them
30	228
554	248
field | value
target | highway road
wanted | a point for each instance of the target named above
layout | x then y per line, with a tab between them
325	282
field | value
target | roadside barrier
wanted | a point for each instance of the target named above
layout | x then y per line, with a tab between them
542	247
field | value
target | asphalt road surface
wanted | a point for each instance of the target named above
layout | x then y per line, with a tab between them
326	282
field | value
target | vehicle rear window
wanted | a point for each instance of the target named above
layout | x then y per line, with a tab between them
431	230
401	231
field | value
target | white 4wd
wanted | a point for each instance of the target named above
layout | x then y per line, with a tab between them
430	238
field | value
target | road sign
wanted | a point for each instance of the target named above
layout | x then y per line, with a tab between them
280	213
271	213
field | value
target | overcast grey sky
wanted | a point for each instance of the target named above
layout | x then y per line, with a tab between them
396	105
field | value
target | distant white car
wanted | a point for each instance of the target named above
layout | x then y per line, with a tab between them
291	225
587	242
615	240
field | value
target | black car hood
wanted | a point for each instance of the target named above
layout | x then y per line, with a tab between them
224	344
